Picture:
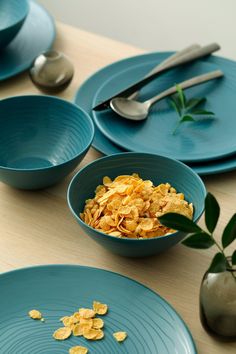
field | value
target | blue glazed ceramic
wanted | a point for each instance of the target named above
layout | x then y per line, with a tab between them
158	169
12	16
152	325
87	91
36	36
42	140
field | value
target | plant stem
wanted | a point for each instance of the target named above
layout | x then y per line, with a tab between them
176	127
222	251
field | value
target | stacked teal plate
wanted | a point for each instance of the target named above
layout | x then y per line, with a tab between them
36	36
208	147
152	325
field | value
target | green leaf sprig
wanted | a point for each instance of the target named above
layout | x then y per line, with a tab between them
187	109
202	239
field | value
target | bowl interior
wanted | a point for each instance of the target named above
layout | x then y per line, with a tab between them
41	131
156	168
12	12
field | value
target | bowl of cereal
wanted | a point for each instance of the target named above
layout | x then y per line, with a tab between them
117	200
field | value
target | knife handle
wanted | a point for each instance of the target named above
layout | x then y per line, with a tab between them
188	57
169	60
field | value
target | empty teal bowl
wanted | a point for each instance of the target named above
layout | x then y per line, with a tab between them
12	16
42	140
156	168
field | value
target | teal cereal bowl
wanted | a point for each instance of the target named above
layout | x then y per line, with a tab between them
42	139
12	16
156	168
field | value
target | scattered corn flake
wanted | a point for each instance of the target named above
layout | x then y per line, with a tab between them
100	334
99	308
82	323
120	336
98	323
129	207
35	314
86	313
62	333
69	321
93	334
78	350
77	330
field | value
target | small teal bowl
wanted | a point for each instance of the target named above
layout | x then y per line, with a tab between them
42	140
156	168
12	16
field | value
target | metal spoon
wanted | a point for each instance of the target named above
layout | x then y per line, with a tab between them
135	110
51	71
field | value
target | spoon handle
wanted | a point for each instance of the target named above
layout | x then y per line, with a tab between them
169	60
194	81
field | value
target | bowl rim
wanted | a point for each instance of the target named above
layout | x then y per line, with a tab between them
195	218
84	114
20	19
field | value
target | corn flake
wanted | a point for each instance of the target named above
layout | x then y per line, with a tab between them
78	350
62	333
93	334
120	336
35	315
98	323
86	313
100	309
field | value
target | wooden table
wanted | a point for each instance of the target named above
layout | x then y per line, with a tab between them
38	228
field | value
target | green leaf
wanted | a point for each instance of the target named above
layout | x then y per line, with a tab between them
181	96
229	233
187	118
212	212
200	240
195	102
175	106
218	264
179	222
234	258
202	112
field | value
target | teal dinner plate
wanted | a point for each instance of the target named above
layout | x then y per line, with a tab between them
152	325
85	96
206	139
36	36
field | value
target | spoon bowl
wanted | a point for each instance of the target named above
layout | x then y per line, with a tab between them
52	71
130	109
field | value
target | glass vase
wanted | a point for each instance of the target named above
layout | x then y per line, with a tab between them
218	304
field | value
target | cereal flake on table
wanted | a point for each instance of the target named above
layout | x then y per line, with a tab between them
129	207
